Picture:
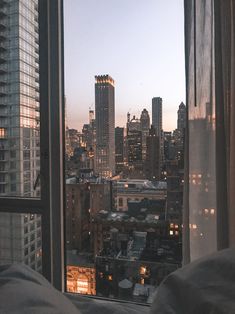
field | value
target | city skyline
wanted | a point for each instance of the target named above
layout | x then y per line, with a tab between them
117	49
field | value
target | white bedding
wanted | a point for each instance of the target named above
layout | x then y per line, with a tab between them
206	286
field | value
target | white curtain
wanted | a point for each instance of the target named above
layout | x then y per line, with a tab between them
209	198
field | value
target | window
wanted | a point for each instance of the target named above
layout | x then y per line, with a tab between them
123	184
27	138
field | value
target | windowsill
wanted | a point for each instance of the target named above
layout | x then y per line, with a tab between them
90	304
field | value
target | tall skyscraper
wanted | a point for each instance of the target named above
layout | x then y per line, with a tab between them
181	121
145	125
105	125
119	148
180	132
134	144
157	114
152	165
19	127
157	124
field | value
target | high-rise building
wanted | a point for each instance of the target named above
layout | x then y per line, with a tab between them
105	125
145	125
157	114
152	166
91	116
179	134
119	148
157	124
181	121
19	128
134	148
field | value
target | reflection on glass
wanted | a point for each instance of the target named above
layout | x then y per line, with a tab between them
202	185
19	99
20	240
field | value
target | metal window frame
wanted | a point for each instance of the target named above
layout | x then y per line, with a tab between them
51	204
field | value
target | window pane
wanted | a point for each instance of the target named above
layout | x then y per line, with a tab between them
20	240
19	100
124	151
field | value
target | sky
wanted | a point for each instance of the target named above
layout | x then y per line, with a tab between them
140	43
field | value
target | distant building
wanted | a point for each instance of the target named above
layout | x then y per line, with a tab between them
105	126
169	147
145	125
77	217
157	123
119	149
130	263
137	190
100	197
80	273
82	201
157	114
175	177
134	148
76	139
181	121
152	165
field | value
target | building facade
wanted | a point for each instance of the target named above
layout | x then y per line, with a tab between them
157	114
105	126
19	128
145	125
152	165
181	113
119	149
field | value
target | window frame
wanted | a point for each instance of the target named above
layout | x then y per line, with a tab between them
52	175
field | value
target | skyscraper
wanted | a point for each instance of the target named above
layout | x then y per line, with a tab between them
119	148
145	125
181	121
134	146
19	127
105	125
157	124
152	165
157	114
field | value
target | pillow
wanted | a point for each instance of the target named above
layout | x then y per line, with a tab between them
24	291
206	286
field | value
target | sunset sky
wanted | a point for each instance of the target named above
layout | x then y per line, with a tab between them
140	43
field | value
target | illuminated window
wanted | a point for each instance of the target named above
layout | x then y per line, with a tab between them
2	132
142	270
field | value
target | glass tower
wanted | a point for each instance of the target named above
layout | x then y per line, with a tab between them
19	127
105	126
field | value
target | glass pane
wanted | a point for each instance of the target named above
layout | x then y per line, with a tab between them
19	99
202	172
20	240
124	146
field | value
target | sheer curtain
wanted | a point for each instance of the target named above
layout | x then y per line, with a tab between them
209	199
